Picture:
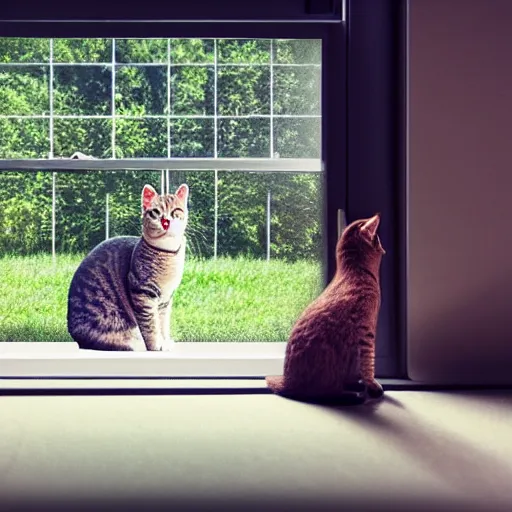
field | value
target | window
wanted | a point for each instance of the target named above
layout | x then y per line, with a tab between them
243	114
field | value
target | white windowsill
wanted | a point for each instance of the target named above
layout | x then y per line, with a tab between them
186	360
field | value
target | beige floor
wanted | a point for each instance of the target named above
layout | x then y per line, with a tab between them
415	451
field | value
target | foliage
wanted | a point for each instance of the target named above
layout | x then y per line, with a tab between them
181	124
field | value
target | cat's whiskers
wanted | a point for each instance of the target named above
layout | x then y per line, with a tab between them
196	238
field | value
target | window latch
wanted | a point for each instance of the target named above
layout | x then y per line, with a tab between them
342	222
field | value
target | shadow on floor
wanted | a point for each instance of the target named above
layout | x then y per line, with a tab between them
463	465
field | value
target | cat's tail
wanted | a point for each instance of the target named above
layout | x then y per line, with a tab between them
276	384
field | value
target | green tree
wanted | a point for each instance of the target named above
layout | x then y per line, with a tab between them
141	95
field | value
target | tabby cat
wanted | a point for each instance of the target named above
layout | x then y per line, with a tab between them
330	355
120	297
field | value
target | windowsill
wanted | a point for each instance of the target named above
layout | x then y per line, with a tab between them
190	368
185	360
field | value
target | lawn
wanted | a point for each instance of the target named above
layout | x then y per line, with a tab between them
218	300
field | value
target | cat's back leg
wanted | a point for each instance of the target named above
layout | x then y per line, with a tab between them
90	339
99	315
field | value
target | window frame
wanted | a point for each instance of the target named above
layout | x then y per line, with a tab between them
344	85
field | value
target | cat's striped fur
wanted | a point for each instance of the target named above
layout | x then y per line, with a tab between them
331	350
120	297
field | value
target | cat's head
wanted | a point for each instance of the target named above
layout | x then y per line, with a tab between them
360	243
164	217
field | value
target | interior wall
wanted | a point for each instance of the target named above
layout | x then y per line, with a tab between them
460	191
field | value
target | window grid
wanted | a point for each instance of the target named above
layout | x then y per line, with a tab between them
271	98
215	155
54	174
114	65
214	65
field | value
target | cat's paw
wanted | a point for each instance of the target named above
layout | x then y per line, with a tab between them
374	389
155	345
355	387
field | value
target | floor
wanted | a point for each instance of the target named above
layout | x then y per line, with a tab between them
413	451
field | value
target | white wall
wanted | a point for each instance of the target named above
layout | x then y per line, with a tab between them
460	202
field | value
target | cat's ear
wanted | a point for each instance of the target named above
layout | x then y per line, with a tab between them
148	194
369	228
182	192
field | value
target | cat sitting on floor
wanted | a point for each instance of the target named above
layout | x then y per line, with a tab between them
330	355
120	297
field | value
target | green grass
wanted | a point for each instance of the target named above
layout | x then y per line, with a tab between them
218	300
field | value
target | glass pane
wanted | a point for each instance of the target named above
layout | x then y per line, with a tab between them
19	49
297	51
33	309
297	137
240	138
24	138
188	51
145	51
192	138
192	90
226	98
141	138
243	51
24	90
89	136
244	90
238	296
85	90
297	90
82	50
141	90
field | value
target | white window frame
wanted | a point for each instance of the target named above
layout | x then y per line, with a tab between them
186	359
65	360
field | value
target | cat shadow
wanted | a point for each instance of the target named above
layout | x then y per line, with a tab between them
460	463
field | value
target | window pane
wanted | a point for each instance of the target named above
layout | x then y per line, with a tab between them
89	136
243	51
244	90
243	299
187	51
83	90
192	138
297	90
141	90
18	49
297	137
34	305
82	50
25	196
24	90
141	138
248	138
231	98
24	138
192	90
297	51
141	50
239	296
